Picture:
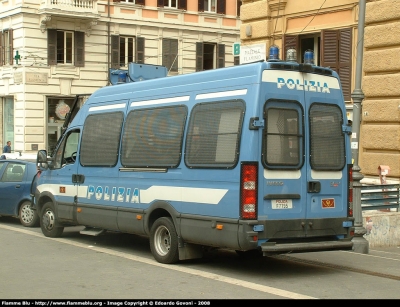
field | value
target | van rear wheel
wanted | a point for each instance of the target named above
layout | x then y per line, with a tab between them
48	222
164	241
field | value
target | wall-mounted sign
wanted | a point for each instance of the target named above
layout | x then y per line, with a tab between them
18	78
252	53
35	77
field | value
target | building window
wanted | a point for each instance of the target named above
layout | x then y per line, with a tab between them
125	50
215	6
180	4
65	47
140	2
170	54
210	5
209	56
6	47
332	48
170	3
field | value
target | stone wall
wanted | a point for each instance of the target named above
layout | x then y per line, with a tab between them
380	115
383	228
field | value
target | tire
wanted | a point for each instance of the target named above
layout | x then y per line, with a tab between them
164	241
27	216
48	222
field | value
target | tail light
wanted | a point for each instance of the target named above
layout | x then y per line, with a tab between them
350	195
248	191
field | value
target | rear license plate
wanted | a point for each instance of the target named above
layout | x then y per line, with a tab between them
282	204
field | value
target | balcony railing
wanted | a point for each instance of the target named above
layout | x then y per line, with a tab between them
83	10
77	6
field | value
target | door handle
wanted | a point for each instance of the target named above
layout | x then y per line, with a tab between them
314	187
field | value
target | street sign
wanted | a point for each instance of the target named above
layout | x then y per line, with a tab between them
236	49
253	53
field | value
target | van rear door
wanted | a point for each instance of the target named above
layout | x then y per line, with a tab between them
303	155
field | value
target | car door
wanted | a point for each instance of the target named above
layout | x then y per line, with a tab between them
11	187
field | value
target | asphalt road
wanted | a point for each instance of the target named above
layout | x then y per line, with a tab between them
121	267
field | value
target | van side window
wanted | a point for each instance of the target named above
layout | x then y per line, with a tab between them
327	141
153	137
100	139
213	137
283	135
66	151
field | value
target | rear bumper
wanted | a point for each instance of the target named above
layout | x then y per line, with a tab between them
270	248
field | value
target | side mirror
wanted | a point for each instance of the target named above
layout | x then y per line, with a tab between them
41	159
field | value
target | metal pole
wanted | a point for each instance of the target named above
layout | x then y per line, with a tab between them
360	244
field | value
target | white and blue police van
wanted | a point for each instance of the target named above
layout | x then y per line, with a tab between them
250	158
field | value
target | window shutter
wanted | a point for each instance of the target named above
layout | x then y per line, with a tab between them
140	50
166	53
140	2
221	55
51	47
174	54
1	49
236	60
201	5
290	41
182	4
221	7
79	49
239	4
160	3
329	50
345	47
10	42
115	52
199	56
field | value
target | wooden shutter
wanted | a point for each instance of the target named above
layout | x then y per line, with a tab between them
139	50
221	7
345	52
51	47
115	52
290	41
79	49
201	5
174	54
166	60
220	55
160	3
182	4
10	43
140	2
238	4
199	56
329	49
336	54
1	49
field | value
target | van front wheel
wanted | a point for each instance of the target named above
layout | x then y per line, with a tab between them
48	222
164	241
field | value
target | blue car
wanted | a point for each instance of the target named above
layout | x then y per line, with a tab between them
15	190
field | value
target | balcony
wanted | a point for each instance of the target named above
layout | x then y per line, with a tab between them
80	10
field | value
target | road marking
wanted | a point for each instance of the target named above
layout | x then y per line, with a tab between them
373	255
216	277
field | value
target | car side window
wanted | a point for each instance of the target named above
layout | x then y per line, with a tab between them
13	173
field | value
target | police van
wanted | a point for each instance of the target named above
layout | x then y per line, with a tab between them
251	158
